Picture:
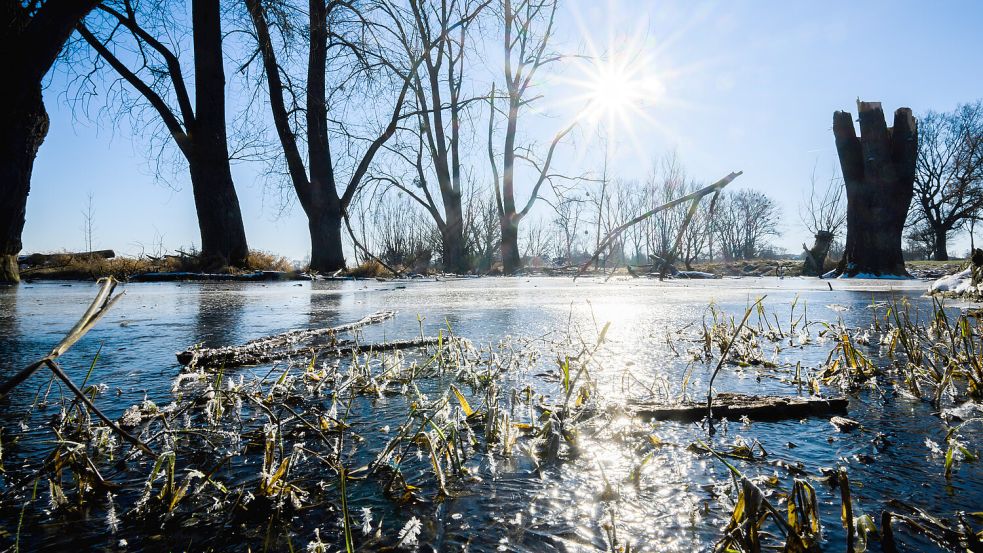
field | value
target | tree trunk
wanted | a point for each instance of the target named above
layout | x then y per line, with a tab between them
23	127
327	251
452	236
223	238
511	262
879	171
815	261
941	251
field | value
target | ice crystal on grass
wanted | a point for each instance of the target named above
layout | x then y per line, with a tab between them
410	534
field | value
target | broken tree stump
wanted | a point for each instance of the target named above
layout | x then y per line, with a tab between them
734	406
879	172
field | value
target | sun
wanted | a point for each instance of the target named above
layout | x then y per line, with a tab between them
617	90
613	91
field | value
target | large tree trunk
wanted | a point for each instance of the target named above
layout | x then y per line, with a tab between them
941	242
23	127
879	171
327	251
511	262
452	236
31	36
223	238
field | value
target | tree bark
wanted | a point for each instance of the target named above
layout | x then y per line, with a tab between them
327	253
941	252
879	171
22	130
455	253
223	238
29	43
511	262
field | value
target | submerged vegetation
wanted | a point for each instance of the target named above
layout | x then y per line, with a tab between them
323	440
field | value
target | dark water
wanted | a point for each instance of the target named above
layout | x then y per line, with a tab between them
521	507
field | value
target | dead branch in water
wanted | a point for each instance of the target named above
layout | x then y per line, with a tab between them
279	346
100	305
103	301
695	197
734	406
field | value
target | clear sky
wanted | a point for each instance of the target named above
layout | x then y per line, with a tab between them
742	85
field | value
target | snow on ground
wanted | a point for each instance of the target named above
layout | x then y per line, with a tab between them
958	284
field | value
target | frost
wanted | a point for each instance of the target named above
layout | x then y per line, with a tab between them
410	533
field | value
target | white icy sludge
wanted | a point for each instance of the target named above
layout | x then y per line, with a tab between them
959	284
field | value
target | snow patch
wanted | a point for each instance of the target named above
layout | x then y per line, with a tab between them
959	284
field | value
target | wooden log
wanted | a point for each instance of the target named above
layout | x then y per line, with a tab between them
735	406
279	346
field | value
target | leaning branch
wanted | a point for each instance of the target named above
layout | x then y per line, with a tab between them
103	301
617	232
100	305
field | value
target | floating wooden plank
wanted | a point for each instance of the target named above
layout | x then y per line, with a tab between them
735	406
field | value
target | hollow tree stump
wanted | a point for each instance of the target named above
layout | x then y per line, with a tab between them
815	259
879	173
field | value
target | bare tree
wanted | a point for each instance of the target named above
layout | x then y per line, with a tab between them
527	32
667	181
318	185
949	172
919	242
484	230
743	221
535	241
696	235
567	222
32	34
405	236
439	32
823	214
88	223
134	43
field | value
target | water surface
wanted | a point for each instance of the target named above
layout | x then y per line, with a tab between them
520	506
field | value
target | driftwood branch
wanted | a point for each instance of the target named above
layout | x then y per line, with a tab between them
100	305
279	346
694	197
103	301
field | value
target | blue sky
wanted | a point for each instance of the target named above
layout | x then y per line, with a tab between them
744	85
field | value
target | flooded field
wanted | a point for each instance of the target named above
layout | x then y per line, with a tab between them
554	464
